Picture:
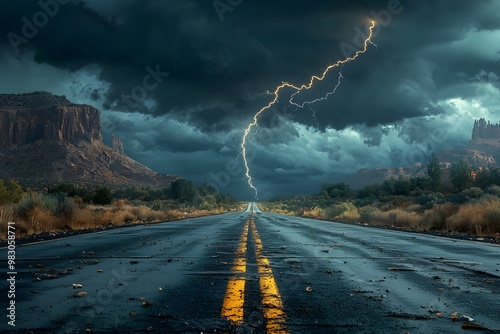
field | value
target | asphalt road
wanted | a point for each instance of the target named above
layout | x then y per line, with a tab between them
254	272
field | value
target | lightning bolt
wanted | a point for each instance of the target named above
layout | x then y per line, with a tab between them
339	81
297	90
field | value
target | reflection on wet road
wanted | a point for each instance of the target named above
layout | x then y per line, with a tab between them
255	272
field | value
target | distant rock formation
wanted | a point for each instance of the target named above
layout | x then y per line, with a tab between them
117	144
482	151
486	138
485	130
366	176
27	118
473	157
46	139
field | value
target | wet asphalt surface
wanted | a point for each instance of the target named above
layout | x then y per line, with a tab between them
332	278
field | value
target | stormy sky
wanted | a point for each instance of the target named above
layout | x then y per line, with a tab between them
179	80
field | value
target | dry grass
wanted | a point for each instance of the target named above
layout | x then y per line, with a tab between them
6	216
316	213
351	216
41	220
402	218
437	217
38	219
491	218
467	219
145	213
393	218
84	219
482	218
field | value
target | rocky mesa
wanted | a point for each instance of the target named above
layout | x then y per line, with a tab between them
46	139
486	138
483	150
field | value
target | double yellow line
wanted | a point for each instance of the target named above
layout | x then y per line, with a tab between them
234	299
232	307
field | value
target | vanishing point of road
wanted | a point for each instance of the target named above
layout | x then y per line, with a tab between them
255	272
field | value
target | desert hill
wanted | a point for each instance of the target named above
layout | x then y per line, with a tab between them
46	139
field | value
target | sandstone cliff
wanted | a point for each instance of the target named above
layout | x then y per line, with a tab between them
27	118
45	139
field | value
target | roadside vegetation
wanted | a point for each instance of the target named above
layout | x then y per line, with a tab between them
458	199
66	207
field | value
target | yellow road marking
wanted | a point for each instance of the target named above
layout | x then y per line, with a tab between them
232	307
234	299
271	298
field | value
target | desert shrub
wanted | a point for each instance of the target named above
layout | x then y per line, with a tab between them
350	216
127	217
367	213
473	192
481	217
22	227
158	205
145	213
102	196
394	202
400	218
493	190
491	217
338	209
175	214
11	192
315	213
40	219
457	199
64	206
35	200
119	203
6	216
467	219
78	200
437	216
366	201
84	218
394	218
58	205
427	201
116	218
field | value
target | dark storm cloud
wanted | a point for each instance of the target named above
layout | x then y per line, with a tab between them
200	80
256	47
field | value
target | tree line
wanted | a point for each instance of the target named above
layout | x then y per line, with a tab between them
180	191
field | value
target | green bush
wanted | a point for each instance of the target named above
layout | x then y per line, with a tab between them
35	200
64	207
493	190
102	196
10	192
429	200
473	192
